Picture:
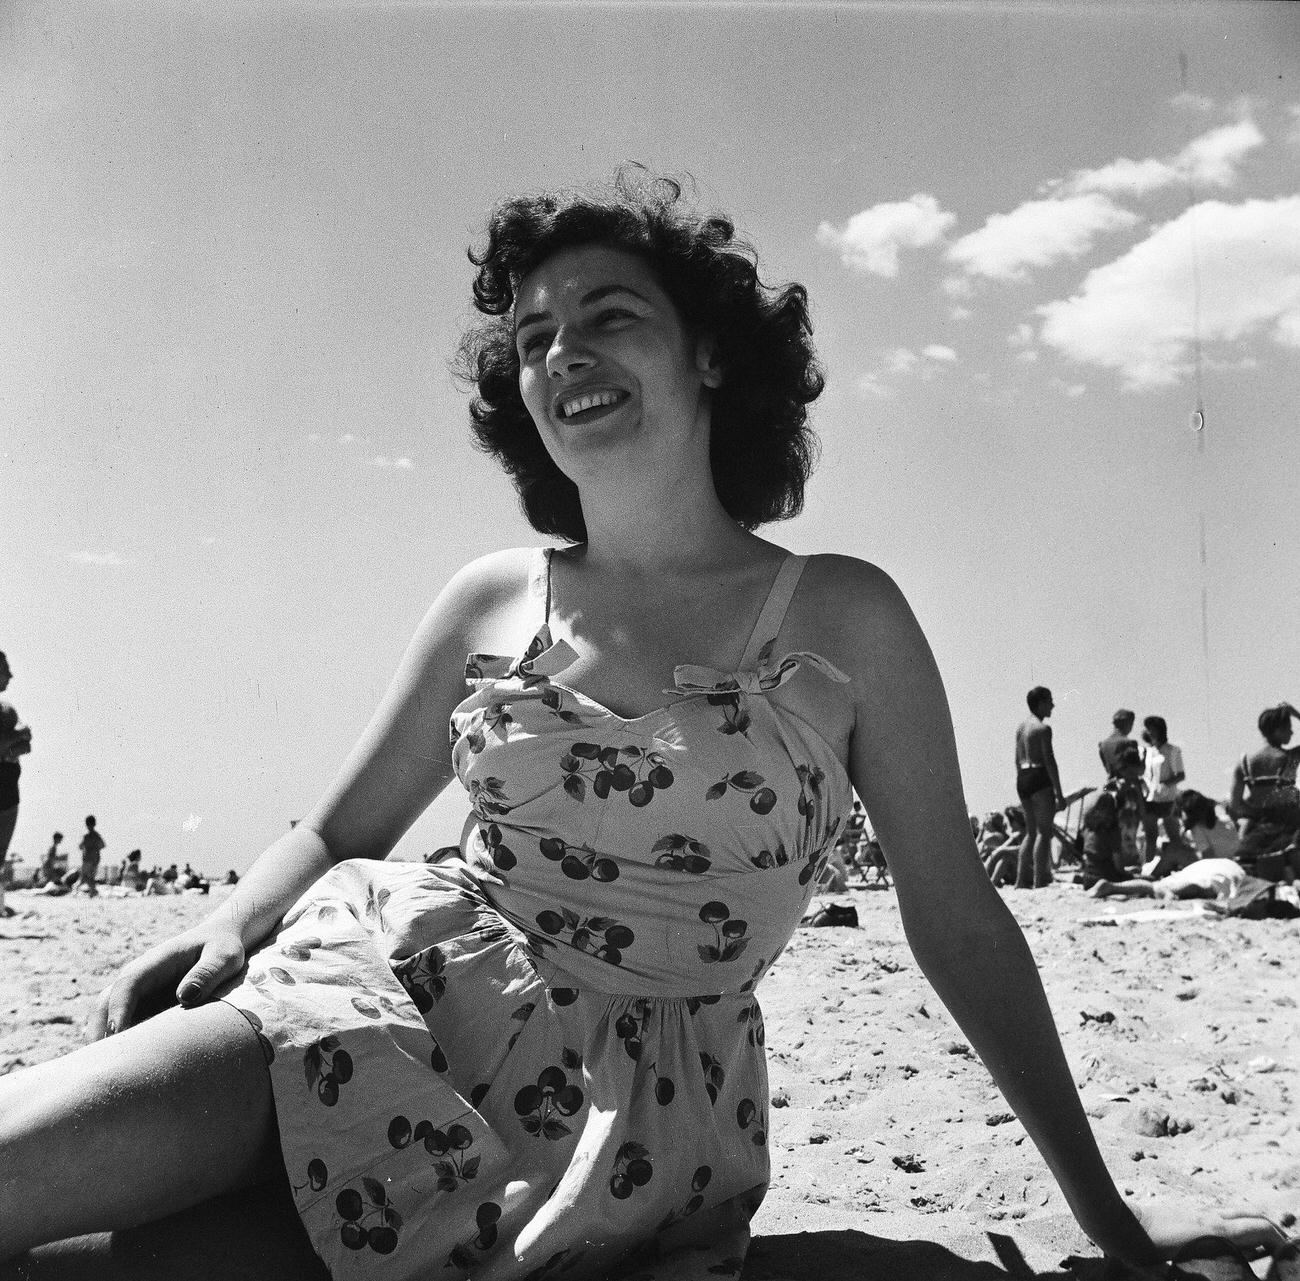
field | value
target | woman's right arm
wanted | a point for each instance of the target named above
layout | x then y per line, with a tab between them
401	762
1236	804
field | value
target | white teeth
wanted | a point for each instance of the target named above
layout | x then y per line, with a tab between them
589	401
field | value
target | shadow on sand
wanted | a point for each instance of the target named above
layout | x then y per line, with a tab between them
849	1255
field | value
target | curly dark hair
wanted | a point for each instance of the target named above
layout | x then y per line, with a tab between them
1274	720
761	447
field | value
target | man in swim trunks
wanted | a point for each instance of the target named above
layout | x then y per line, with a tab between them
1110	747
1038	784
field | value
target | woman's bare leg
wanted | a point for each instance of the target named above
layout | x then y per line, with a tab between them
252	1235
157	1119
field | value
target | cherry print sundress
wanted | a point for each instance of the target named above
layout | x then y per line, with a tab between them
544	1058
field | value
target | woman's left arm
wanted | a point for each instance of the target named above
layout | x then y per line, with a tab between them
903	764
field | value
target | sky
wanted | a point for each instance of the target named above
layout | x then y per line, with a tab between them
235	468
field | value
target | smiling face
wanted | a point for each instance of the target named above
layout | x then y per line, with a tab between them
605	360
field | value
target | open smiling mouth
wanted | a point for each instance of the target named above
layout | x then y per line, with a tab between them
589	405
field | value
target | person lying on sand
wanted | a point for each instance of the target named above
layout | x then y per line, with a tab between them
1215	879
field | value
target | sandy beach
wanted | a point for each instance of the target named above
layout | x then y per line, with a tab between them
893	1154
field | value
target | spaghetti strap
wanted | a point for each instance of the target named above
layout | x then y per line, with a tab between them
539	580
773	613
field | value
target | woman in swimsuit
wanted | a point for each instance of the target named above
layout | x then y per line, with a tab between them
545	1056
1265	795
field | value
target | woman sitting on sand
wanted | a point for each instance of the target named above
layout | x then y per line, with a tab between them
1265	795
1209	835
546	1057
1001	858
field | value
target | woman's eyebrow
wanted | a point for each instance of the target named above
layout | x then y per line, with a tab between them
592	295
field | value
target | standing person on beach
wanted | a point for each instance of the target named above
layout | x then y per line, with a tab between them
1038	784
15	741
1115	743
660	727
92	846
1162	771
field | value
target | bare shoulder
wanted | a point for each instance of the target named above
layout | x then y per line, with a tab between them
471	612
860	610
490	582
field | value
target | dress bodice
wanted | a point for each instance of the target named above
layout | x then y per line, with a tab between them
671	854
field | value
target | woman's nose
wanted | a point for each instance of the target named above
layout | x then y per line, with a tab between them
567	354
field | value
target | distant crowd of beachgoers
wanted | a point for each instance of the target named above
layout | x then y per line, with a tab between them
1136	828
59	872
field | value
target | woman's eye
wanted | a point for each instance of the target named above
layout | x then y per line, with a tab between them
613	314
530	346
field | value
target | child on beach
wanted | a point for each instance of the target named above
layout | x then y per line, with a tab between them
91	845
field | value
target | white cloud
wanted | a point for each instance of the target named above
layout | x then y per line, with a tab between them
315	436
1288	329
1021	339
191	824
959	313
1293	135
1125	177
1135	315
1212	160
904	362
870	240
1073	390
1037	234
95	558
382	460
873	385
1194	102
901	360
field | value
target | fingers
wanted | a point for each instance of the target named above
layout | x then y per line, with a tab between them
97	1024
114	1008
214	966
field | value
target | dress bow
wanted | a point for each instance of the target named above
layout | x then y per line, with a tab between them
542	659
693	678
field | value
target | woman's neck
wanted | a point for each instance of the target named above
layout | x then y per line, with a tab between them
680	528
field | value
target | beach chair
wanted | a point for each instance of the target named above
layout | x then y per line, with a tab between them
1067	831
871	858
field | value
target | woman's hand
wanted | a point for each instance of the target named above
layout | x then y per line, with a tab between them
1170	1227
188	967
